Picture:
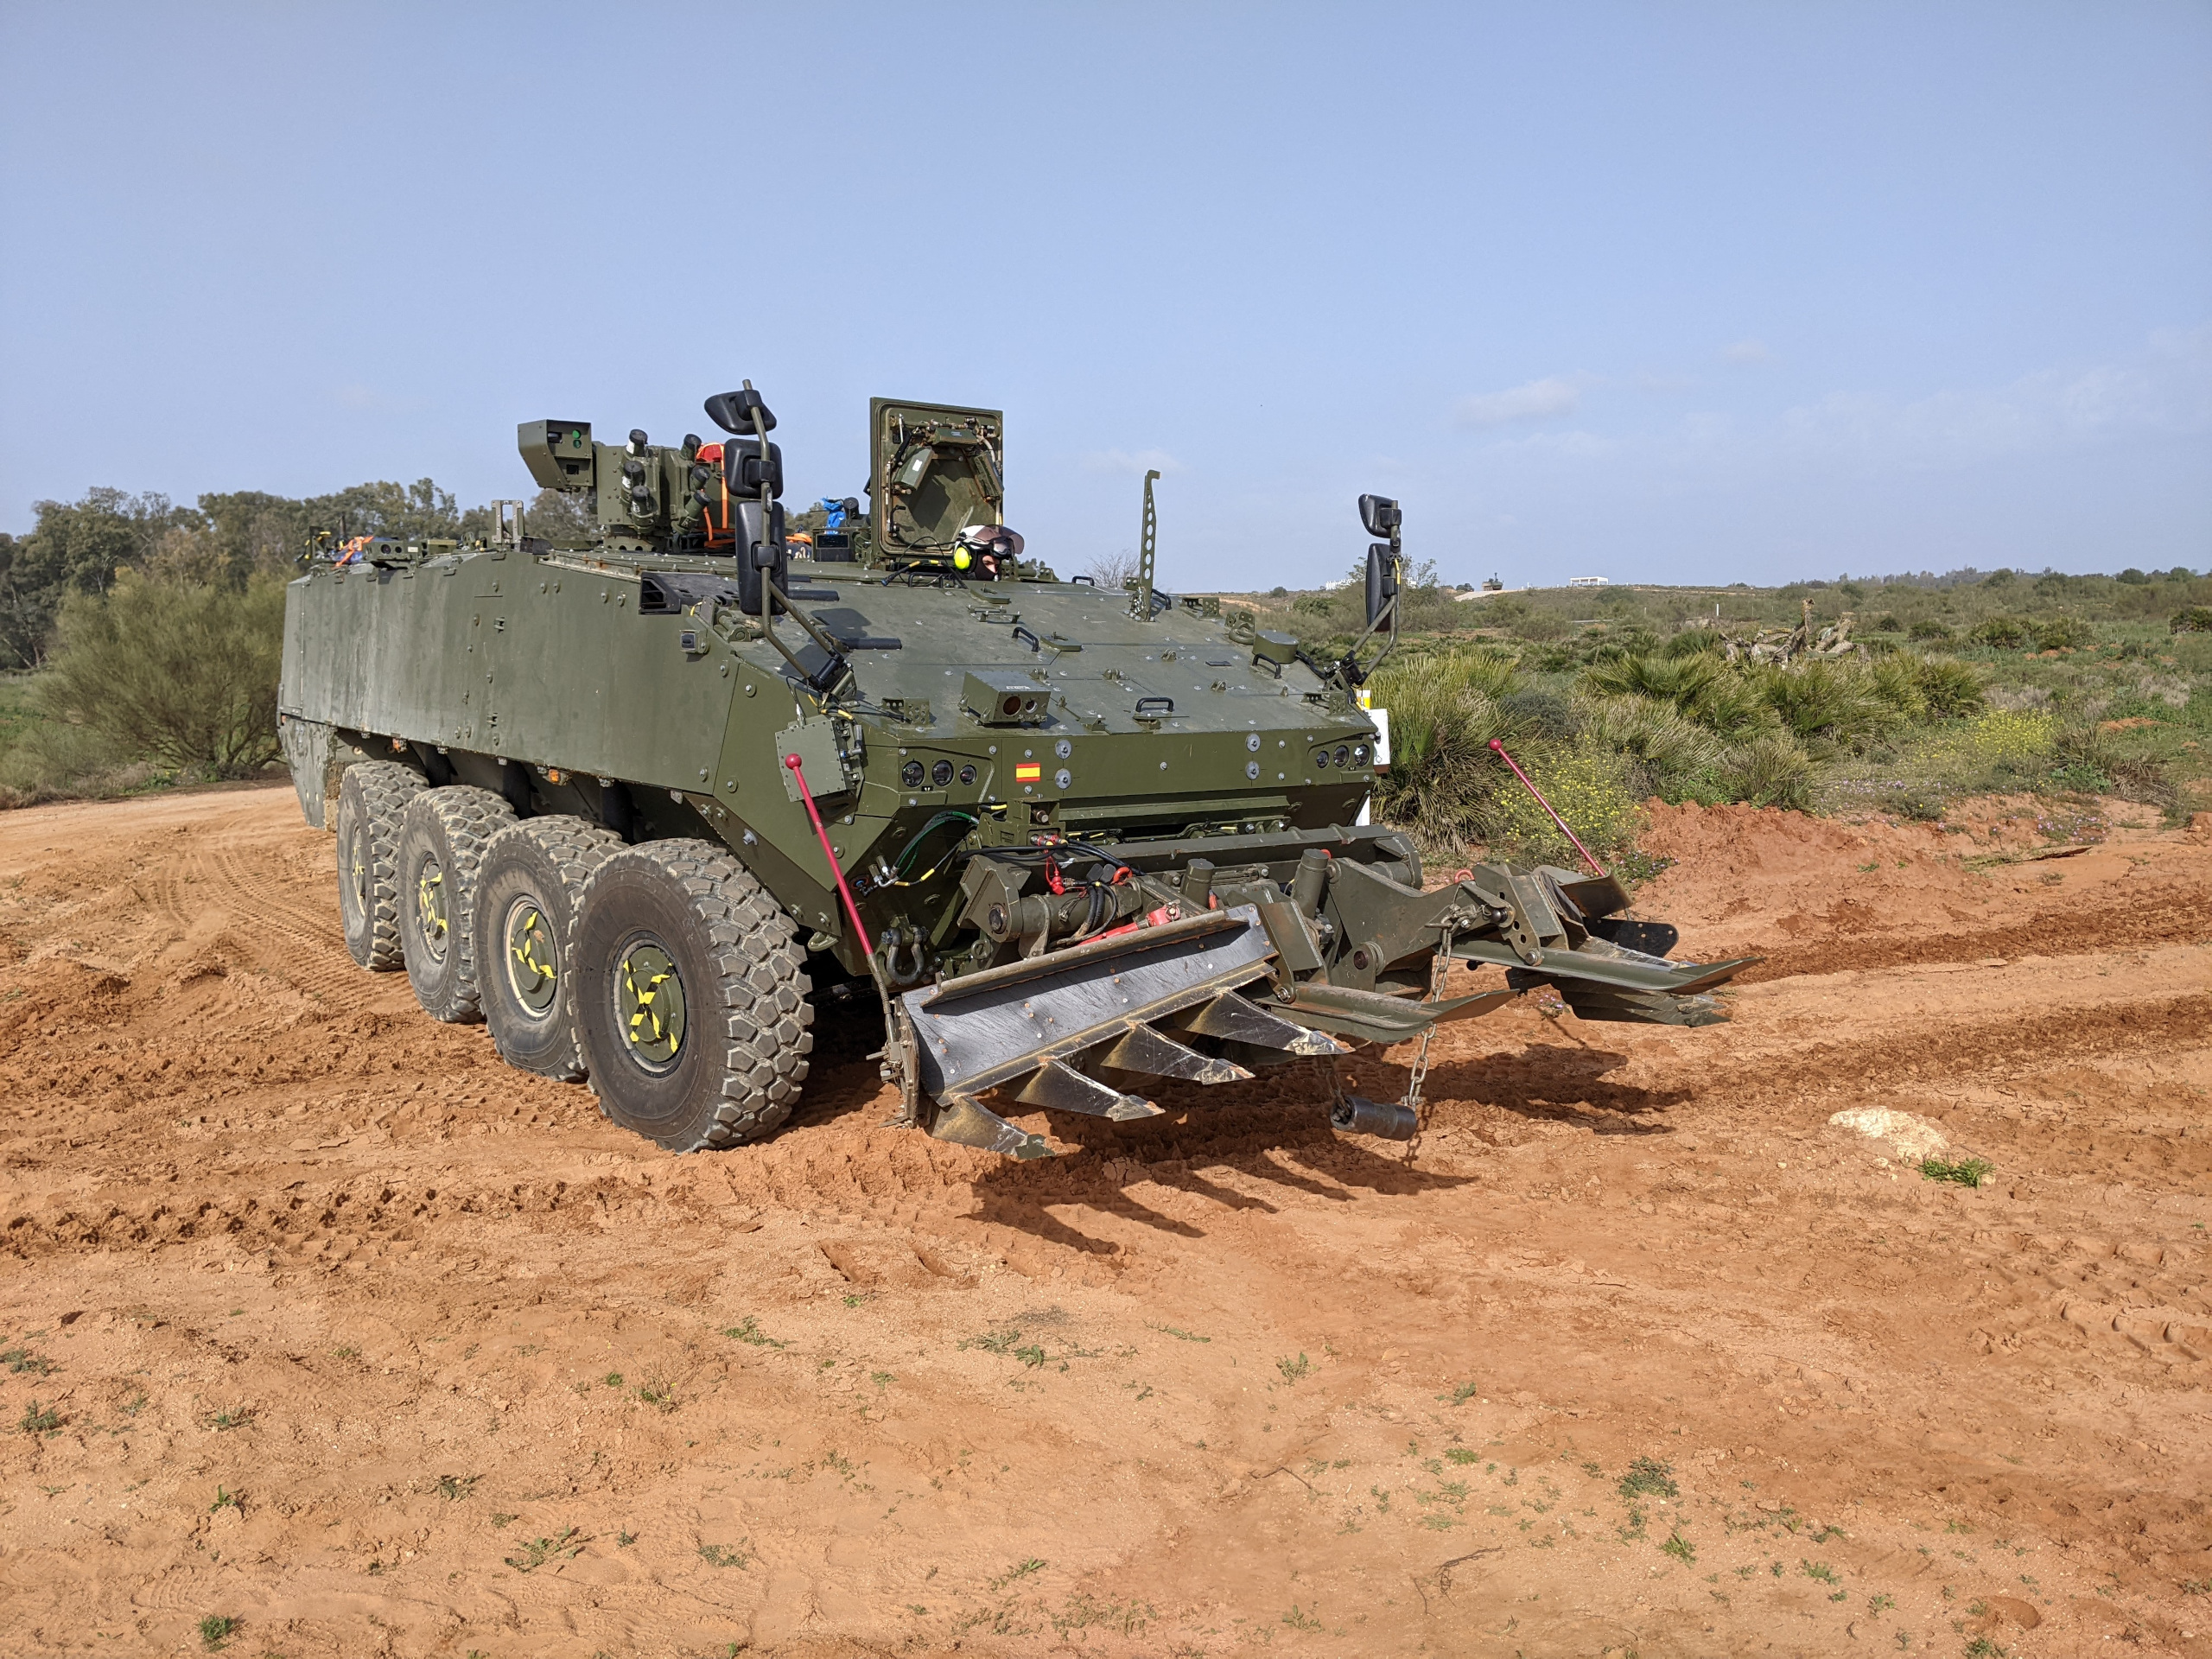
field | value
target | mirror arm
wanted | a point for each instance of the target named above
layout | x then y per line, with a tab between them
1398	588
1346	670
831	672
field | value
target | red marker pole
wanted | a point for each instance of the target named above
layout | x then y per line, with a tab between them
821	835
1499	748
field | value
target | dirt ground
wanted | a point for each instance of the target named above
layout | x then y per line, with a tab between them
315	1317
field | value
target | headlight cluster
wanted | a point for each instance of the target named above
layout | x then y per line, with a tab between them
1345	754
941	774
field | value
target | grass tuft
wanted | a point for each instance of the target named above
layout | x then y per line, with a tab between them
1649	1477
1966	1171
535	1554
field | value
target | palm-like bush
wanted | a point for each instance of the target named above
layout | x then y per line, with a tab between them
1949	690
1769	771
1840	703
1666	751
1702	687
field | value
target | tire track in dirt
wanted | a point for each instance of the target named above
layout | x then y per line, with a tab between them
2174	916
409	1261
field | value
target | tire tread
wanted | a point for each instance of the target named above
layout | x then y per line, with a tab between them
573	847
467	818
381	789
758	1005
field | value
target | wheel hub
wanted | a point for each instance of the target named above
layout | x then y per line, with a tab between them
430	907
357	892
533	965
649	1005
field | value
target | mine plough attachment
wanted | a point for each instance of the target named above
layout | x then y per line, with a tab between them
1348	955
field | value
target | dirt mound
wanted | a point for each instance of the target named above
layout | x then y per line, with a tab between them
323	1320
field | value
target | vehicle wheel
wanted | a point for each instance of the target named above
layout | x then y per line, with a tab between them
371	798
690	996
442	839
527	887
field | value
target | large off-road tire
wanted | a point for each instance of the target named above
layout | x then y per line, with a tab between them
527	890
442	839
371	798
690	996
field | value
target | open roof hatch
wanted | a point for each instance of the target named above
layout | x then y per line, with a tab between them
934	469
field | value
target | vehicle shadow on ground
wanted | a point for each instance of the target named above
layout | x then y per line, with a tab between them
1283	1144
1552	1083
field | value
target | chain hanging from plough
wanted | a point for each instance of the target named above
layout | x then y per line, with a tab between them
1439	966
1401	1119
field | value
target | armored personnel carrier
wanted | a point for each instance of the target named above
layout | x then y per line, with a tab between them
639	802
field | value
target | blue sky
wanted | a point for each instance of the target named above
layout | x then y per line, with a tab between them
1684	293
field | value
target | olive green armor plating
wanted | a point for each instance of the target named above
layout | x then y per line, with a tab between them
1062	837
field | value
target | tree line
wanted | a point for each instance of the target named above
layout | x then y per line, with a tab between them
80	549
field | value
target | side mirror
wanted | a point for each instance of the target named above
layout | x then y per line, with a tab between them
1382	577
1380	514
760	549
748	478
733	411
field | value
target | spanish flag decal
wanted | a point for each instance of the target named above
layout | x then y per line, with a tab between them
1028	772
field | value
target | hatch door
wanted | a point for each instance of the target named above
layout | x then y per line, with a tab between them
933	470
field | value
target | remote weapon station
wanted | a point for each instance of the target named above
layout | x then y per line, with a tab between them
637	799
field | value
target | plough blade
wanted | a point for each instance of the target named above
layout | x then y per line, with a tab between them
1021	1028
1374	1017
1592	1001
1060	1088
1144	1048
1233	1019
1626	971
962	1121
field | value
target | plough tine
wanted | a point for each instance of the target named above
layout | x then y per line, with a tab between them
1062	1088
1143	1050
962	1121
1233	1019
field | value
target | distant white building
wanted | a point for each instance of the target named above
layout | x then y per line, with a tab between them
1588	582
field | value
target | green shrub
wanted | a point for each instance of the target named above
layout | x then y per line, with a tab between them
177	674
1667	752
1540	627
1443	702
1928	629
1586	784
2063	633
1896	681
1948	688
1770	770
51	759
2196	619
1703	686
2093	761
2000	633
1539	714
1838	702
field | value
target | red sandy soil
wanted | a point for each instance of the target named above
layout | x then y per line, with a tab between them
354	1336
